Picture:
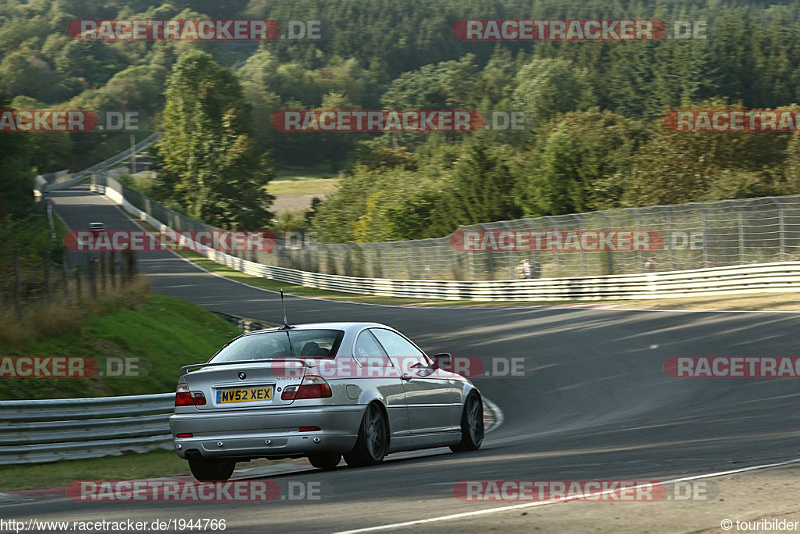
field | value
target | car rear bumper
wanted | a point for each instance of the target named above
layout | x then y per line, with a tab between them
267	433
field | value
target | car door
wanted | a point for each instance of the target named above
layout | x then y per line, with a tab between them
431	395
376	369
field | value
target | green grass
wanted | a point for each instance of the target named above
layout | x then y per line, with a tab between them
163	334
155	464
303	174
301	185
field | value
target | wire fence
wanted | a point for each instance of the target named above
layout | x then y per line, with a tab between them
680	237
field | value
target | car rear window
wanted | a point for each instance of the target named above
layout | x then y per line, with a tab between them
282	344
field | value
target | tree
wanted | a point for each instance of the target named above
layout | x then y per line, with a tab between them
676	167
545	87
209	160
24	73
480	189
580	164
16	187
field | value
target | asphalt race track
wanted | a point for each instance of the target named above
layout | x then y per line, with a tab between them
594	401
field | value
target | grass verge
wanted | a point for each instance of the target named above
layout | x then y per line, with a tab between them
159	336
155	464
302	186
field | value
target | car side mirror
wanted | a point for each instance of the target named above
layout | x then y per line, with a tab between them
442	361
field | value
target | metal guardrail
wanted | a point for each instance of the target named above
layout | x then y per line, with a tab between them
36	431
103	166
684	236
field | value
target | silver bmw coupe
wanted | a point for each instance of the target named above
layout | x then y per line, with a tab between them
327	390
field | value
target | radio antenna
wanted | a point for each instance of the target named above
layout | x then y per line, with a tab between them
286	326
283	304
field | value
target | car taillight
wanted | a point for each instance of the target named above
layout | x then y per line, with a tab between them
184	397
312	387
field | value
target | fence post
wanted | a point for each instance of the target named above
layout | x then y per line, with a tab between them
102	261
583	252
781	228
46	266
537	267
78	283
740	221
65	283
670	252
704	214
557	254
131	263
471	266
639	258
609	256
112	269
92	278
510	253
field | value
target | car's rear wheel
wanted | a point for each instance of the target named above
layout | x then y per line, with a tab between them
325	461
471	425
373	439
212	470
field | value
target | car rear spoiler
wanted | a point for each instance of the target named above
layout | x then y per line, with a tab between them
193	367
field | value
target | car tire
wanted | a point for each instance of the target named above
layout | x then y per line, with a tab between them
325	461
373	439
212	470
471	425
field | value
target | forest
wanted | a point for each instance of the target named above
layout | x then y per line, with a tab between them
595	135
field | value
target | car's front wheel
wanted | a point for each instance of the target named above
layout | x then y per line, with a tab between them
373	439
471	425
326	461
212	470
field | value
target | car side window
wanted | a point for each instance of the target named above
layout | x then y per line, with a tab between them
400	349
369	353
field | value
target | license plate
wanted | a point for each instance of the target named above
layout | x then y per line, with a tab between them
260	393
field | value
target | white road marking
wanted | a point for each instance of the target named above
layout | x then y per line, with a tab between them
498	414
464	515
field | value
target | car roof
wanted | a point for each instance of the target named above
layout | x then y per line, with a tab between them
346	326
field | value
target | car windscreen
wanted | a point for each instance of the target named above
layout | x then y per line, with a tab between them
282	344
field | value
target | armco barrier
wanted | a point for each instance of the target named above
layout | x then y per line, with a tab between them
83	175
736	279
732	279
37	431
